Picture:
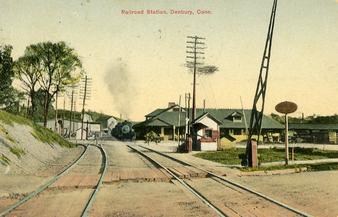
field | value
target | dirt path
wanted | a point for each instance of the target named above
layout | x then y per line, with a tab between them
314	193
147	199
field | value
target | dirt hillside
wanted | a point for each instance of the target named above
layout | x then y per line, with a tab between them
23	153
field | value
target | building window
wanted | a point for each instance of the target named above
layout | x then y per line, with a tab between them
237	118
208	133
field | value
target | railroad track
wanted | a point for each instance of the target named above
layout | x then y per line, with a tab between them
224	197
71	193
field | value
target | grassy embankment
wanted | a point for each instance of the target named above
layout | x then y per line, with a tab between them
230	157
40	133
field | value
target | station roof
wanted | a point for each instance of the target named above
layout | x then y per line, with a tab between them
225	117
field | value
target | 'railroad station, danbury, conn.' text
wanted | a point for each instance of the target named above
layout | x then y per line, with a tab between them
164	12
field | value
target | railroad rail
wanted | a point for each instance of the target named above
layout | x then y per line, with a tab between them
215	209
85	211
215	177
62	174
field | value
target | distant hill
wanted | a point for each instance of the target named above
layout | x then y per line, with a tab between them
97	117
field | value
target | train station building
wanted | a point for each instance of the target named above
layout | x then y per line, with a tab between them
214	128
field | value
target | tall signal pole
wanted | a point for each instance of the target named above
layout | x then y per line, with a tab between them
194	51
259	99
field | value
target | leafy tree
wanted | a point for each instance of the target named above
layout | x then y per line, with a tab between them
12	103
6	74
314	119
61	67
39	106
28	70
279	119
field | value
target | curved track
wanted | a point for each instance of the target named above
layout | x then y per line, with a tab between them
56	198
225	201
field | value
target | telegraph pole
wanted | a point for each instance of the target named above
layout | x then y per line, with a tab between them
194	51
70	118
186	118
63	117
56	112
86	95
74	116
179	120
27	109
187	123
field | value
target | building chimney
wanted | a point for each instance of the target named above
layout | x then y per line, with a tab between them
171	104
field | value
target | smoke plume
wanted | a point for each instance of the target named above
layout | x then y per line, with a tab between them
118	79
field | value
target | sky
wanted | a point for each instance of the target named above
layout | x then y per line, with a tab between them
137	61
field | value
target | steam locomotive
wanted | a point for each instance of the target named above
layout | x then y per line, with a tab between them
123	131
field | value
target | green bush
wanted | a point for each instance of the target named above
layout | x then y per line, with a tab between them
152	137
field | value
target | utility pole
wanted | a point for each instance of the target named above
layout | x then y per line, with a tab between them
194	52
74	116
86	93
186	118
204	106
70	118
27	110
179	120
63	117
56	112
187	123
246	124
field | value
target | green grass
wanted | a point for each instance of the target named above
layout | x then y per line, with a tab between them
297	167
7	136
48	136
9	118
227	156
2	128
322	167
17	151
278	154
230	157
40	133
5	160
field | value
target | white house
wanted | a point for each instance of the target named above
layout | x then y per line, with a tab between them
207	131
